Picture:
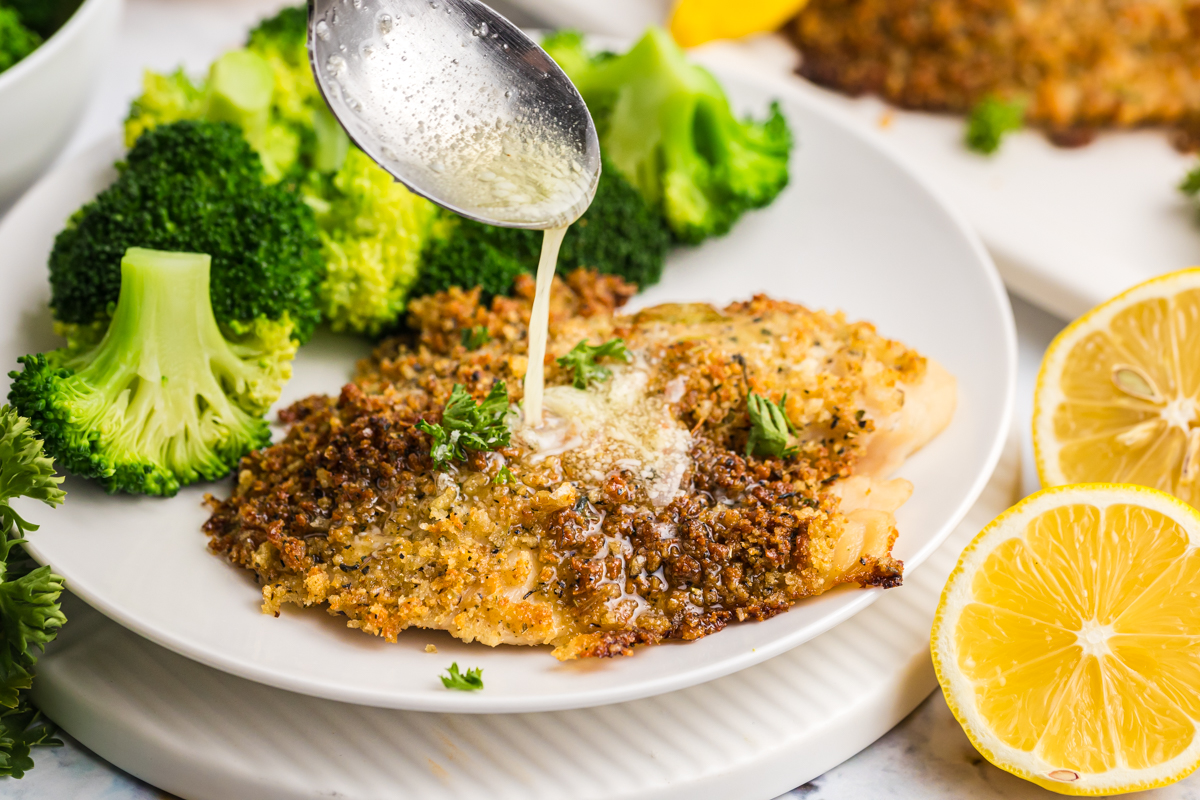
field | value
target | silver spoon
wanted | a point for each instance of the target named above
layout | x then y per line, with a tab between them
459	105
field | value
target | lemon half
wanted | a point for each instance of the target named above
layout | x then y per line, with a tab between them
1067	640
1118	395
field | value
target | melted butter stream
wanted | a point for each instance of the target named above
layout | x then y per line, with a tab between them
539	327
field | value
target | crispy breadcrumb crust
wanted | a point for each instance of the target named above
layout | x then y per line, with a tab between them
348	511
1081	64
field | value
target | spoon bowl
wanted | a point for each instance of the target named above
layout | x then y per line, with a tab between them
458	104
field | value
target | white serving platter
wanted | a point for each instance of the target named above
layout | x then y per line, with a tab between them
204	735
1068	228
856	230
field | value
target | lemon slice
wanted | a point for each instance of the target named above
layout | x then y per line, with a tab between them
1119	391
1067	640
698	21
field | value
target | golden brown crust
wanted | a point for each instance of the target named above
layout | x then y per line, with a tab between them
1081	64
348	511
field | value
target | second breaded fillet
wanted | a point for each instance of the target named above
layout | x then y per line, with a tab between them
1081	64
631	517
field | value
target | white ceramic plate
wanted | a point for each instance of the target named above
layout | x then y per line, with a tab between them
1068	228
856	230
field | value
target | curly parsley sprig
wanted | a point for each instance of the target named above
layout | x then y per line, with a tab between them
470	681
583	361
770	429
469	426
30	614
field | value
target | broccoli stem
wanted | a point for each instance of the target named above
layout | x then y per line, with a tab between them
240	86
165	362
333	145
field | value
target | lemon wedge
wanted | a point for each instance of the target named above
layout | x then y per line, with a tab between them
695	22
1118	394
1067	640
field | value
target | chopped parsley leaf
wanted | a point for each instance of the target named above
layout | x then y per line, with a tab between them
475	338
583	357
770	428
471	681
503	476
990	121
1191	184
468	426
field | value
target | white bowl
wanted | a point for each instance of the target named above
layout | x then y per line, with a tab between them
43	96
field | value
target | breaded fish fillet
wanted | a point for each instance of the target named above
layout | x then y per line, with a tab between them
631	517
1082	64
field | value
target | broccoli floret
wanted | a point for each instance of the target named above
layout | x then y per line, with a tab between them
619	234
43	17
990	121
194	187
668	126
240	89
372	230
167	397
16	40
267	88
164	99
300	117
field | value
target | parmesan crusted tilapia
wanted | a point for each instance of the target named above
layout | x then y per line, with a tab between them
1080	64
632	516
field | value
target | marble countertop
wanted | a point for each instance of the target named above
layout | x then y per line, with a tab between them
926	756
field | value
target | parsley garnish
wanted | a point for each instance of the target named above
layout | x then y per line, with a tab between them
770	428
583	357
30	615
472	681
1191	184
503	476
990	121
475	338
467	426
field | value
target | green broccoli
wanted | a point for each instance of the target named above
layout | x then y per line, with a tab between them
239	89
668	126
372	229
619	234
30	615
267	89
372	232
194	187
16	40
990	121
164	99
167	397
43	17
